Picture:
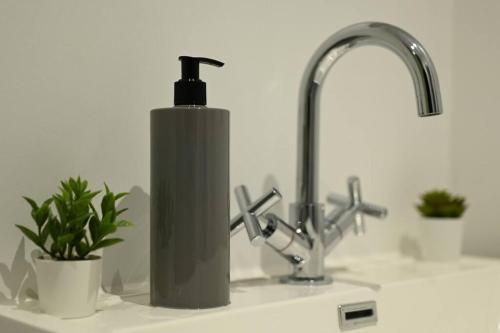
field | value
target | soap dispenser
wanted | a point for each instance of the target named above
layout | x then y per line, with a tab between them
190	197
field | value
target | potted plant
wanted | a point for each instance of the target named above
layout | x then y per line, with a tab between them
69	274
441	228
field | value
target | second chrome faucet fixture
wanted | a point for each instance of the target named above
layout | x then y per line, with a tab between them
311	234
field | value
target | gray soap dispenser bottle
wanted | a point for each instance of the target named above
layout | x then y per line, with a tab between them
190	197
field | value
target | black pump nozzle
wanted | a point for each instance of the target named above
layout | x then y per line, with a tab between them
190	90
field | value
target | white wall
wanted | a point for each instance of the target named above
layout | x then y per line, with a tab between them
79	77
476	119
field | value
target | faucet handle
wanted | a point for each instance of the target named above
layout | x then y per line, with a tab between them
354	190
354	201
250	213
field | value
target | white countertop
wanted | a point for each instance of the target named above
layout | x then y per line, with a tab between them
131	313
355	279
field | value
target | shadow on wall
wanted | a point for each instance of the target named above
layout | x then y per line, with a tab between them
20	277
126	265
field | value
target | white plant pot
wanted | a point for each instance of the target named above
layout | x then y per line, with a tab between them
68	289
441	239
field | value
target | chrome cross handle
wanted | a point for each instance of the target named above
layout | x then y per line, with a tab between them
268	228
353	207
250	212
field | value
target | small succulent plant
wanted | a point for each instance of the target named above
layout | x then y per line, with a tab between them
78	228
441	204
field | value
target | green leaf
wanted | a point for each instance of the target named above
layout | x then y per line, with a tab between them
118	213
74	186
48	201
62	210
107	203
94	228
42	214
45	233
124	223
32	203
121	195
79	208
90	195
64	240
106	243
65	187
105	229
54	250
82	249
55	229
34	209
84	183
93	209
31	235
79	235
79	222
107	218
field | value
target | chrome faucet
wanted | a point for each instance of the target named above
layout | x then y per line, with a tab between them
311	235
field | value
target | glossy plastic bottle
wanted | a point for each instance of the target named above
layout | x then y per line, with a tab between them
190	197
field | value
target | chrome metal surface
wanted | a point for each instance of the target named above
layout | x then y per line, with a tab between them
309	220
354	187
357	315
349	214
388	36
369	209
308	223
291	244
257	208
250	219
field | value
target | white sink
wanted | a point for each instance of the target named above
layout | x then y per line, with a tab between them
431	297
410	297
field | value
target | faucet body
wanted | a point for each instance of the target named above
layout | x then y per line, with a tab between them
311	234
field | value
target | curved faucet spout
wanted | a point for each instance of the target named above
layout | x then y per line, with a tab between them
311	234
400	42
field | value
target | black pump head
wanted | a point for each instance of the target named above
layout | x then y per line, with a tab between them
190	90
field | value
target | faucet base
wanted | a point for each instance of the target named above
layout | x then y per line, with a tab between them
300	281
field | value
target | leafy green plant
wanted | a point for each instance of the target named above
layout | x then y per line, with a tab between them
441	204
77	229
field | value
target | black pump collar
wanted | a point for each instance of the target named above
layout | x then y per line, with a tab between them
190	90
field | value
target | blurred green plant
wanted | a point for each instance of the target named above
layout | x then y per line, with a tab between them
77	229
441	204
